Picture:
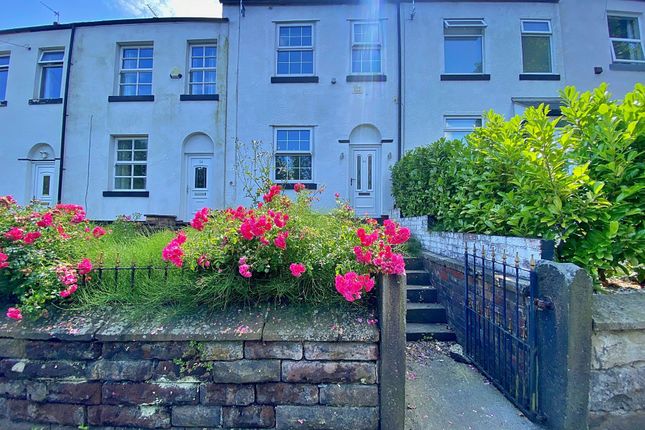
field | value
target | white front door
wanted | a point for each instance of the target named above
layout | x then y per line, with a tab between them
199	184
43	182
364	181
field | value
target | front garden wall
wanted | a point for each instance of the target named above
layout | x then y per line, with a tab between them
256	368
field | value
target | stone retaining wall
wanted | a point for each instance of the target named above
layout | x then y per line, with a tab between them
617	395
262	368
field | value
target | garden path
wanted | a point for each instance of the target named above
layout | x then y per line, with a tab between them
442	394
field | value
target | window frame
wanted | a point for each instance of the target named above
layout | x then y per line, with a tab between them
459	23
120	85
46	64
447	129
380	44
620	39
204	45
548	33
132	162
287	152
5	68
311	48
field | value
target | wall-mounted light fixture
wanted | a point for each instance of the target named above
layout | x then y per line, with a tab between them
389	155
342	155
175	73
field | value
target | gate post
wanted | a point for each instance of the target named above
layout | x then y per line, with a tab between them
564	344
391	307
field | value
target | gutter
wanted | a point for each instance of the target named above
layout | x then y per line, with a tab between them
399	143
63	128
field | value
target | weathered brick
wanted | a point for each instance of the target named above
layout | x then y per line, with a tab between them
15	425
248	416
287	394
12	348
320	372
41	369
56	350
121	370
145	350
13	388
55	413
282	350
143	393
197	416
173	371
149	417
341	351
226	394
85	393
3	407
349	395
326	418
246	371
221	351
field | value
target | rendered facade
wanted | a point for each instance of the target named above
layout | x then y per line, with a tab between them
147	115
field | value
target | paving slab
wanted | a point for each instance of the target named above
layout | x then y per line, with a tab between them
56	325
442	394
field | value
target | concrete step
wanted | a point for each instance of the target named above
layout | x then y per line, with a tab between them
416	331
414	263
417	277
421	294
426	313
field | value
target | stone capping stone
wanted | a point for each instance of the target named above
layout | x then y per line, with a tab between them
618	312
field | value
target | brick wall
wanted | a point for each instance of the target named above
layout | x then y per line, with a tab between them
243	369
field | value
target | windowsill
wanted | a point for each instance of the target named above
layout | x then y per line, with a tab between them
628	67
294	79
366	78
45	101
199	97
539	77
290	185
131	98
3	103
126	193
466	77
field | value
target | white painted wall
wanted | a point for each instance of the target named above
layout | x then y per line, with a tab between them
23	125
333	109
93	121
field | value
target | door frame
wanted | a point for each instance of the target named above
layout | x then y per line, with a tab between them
187	216
378	188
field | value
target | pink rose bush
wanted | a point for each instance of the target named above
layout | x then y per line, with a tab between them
282	248
42	253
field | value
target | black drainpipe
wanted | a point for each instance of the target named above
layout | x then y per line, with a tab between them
400	91
65	97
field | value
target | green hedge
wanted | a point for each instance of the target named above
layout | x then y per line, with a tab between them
578	179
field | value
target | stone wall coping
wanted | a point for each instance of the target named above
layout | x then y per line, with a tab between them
332	323
617	312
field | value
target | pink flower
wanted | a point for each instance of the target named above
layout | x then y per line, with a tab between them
273	191
173	252
299	187
201	218
3	260
203	262
297	269
78	217
337	196
61	232
98	232
45	220
14	234
84	267
66	275
350	285
366	239
14	313
364	257
68	291
7	201
245	270
281	240
389	262
31	237
395	235
242	261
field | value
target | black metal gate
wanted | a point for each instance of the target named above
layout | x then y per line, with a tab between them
500	335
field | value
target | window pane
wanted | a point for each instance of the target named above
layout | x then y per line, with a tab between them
536	54
145	63
210	62
145	90
122	183
469	123
305	173
3	84
129	78
366	33
140	144
197	62
51	82
124	144
535	26
139	170
197	89
209	76
46	183
124	156
460	135
145	52
52	56
4	60
463	54
198	51
123	170
628	51
358	172
196	76
130	53
128	90
623	27
210	89
200	177
210	51
129	64
139	183
145	77
140	155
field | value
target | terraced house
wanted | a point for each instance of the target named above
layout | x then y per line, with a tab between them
146	115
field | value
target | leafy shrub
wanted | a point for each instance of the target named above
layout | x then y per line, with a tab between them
581	184
42	253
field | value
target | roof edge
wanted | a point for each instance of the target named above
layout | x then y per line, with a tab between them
67	26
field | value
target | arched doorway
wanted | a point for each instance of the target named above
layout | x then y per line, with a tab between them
41	174
365	170
199	175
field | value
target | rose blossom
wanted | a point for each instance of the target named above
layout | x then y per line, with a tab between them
297	269
14	313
